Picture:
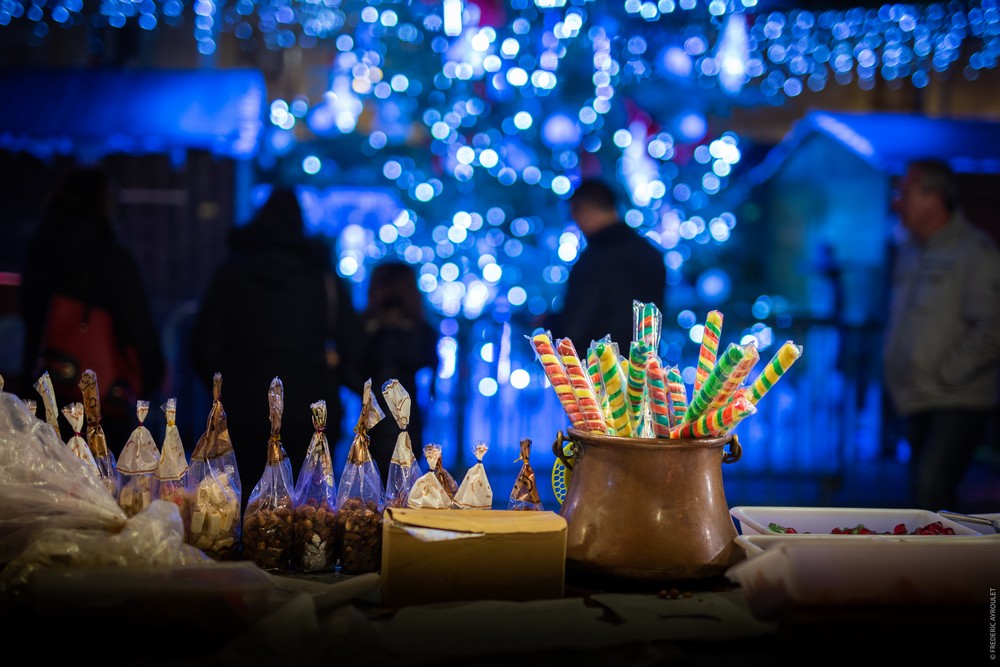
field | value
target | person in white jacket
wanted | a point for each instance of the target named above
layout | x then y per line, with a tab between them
942	344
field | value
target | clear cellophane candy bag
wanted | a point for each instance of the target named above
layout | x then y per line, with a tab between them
475	492
173	473
428	492
360	498
104	458
43	385
404	469
137	466
216	523
74	415
314	546
524	495
267	523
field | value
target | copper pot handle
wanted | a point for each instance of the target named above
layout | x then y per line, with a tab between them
735	450
557	449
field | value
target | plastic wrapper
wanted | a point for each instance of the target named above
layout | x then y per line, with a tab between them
43	484
74	415
613	381
404	470
31	405
153	538
267	524
104	458
524	495
172	472
360	498
475	492
137	467
216	523
43	385
428	492
314	546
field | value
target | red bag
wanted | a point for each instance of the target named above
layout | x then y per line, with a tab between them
79	336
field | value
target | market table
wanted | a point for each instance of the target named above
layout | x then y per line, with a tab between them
235	614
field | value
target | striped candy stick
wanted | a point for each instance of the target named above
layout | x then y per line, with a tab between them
650	325
782	360
594	370
554	371
582	389
709	348
718	421
614	385
678	395
636	381
724	367
656	385
739	374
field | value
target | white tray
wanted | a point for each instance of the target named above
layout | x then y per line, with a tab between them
754	545
754	520
825	573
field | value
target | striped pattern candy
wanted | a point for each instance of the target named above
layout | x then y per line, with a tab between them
709	348
586	399
725	366
594	369
649	325
718	421
678	395
656	385
783	359
556	374
636	381
740	373
611	377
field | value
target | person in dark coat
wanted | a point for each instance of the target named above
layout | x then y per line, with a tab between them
399	342
616	267
77	253
275	308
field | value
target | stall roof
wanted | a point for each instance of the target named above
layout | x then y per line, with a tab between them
93	112
887	141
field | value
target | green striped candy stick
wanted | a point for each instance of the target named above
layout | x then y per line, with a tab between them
724	367
611	376
678	395
594	370
636	381
783	359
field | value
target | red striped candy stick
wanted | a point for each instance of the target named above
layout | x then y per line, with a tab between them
556	374
678	395
739	374
717	421
709	348
656	385
586	398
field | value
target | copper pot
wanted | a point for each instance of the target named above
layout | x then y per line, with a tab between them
648	509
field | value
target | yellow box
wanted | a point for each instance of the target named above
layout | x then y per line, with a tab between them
431	555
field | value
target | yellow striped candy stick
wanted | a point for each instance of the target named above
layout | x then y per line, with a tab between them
782	360
709	348
724	367
740	373
656	386
594	369
612	378
636	381
678	395
586	399
554	371
718	421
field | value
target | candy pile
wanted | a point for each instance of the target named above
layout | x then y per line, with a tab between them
635	395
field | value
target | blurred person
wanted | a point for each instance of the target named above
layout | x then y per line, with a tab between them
85	305
275	308
942	344
399	342
617	267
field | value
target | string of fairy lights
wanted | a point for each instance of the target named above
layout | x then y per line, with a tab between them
467	108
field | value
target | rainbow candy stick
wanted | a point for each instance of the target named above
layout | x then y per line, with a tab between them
709	348
678	395
594	369
716	422
656	385
647	320
636	381
586	399
556	374
703	398
739	374
612	378
783	359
